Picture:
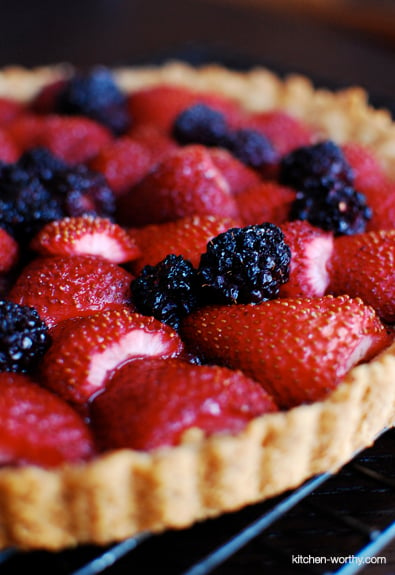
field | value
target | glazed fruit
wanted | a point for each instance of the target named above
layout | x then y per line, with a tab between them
149	404
61	287
85	350
270	340
55	433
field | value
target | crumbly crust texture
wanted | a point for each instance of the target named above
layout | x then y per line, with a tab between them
125	492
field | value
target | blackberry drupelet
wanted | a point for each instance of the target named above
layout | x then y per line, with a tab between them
253	149
200	124
169	290
95	95
341	210
24	337
245	265
319	166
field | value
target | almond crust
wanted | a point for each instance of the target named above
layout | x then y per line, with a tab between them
125	492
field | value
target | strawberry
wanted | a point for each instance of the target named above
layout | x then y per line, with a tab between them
185	183
9	151
73	139
151	403
299	349
44	102
61	287
363	265
85	350
381	199
159	105
39	428
9	251
9	110
311	250
366	169
284	131
123	162
155	141
187	237
239	176
86	235
26	130
265	202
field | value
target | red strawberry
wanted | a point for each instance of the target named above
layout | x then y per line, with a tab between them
9	110
239	176
45	101
37	427
25	131
159	105
311	250
9	251
298	349
86	235
367	171
85	350
74	139
266	202
381	199
363	265
61	287
158	143
151	403
123	162
184	184
283	130
185	237
9	151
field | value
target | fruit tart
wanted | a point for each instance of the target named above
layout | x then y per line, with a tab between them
197	294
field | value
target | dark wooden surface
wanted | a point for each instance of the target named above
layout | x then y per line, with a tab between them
127	32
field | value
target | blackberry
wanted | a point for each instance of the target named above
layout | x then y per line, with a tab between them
80	191
245	265
25	205
320	166
169	290
341	210
200	124
252	148
23	337
95	95
41	163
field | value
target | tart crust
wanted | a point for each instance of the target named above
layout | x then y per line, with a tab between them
125	492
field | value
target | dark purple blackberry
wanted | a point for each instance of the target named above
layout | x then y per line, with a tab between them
26	205
95	95
341	210
245	265
319	166
23	337
41	163
253	149
200	124
169	290
82	191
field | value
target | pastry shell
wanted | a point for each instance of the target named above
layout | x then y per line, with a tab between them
125	492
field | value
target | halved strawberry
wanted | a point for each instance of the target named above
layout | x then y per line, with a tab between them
239	176
86	235
151	403
156	141
283	130
39	428
184	184
74	139
187	237
86	350
61	287
363	265
299	349
265	202
123	162
311	250
9	251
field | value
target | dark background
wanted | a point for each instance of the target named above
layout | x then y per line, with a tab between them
332	47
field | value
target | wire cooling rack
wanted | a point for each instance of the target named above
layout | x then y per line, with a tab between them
341	524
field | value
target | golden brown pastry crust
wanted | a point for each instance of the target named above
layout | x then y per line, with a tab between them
125	492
